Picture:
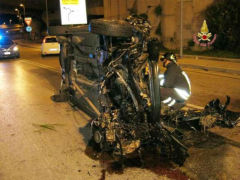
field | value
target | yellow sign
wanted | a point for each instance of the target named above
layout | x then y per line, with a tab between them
70	2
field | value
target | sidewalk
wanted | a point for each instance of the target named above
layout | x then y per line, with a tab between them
211	64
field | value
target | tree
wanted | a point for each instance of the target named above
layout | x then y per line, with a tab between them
223	18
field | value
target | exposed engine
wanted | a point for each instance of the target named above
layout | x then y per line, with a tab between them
130	114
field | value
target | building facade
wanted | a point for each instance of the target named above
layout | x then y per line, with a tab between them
169	20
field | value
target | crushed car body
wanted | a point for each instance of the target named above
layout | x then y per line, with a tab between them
109	67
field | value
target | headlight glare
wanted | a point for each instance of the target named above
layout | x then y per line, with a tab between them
15	48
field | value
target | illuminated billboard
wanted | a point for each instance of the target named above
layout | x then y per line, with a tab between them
73	12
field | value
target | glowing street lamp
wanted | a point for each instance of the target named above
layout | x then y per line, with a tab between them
18	14
23	6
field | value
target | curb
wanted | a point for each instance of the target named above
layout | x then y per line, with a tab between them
211	58
222	70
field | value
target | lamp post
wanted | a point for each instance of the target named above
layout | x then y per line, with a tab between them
46	2
17	10
18	15
23	6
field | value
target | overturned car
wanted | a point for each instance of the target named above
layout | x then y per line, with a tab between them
112	65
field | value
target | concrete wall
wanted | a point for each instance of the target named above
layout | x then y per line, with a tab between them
193	16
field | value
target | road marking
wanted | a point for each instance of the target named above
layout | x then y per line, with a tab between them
191	106
55	70
36	47
77	87
41	65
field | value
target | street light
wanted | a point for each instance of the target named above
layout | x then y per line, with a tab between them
22	5
46	3
18	15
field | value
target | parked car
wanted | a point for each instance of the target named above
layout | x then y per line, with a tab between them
8	48
50	46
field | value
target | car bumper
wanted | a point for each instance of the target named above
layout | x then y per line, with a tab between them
51	51
9	54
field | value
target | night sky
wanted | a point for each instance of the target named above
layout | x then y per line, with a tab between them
34	8
7	17
30	5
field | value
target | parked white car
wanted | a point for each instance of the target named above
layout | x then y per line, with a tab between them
50	46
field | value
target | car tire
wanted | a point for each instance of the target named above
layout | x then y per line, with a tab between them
115	28
43	55
154	87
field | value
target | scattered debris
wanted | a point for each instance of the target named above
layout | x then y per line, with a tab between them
214	114
46	126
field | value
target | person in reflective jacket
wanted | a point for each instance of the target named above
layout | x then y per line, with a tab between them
175	84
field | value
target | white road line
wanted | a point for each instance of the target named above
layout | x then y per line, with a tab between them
77	87
41	65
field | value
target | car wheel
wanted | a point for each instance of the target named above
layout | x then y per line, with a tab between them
43	55
115	28
154	88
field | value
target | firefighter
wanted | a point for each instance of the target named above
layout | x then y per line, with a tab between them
175	84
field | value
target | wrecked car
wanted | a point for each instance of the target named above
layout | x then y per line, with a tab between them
109	64
109	72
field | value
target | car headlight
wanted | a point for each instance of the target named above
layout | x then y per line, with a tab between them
15	48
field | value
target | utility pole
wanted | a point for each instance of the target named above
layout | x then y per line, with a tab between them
23	6
47	15
181	29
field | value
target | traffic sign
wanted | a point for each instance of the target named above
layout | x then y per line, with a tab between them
73	12
28	20
28	28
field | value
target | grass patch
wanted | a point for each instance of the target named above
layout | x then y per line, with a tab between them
46	126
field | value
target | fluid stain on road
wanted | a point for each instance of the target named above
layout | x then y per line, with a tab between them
210	154
152	161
